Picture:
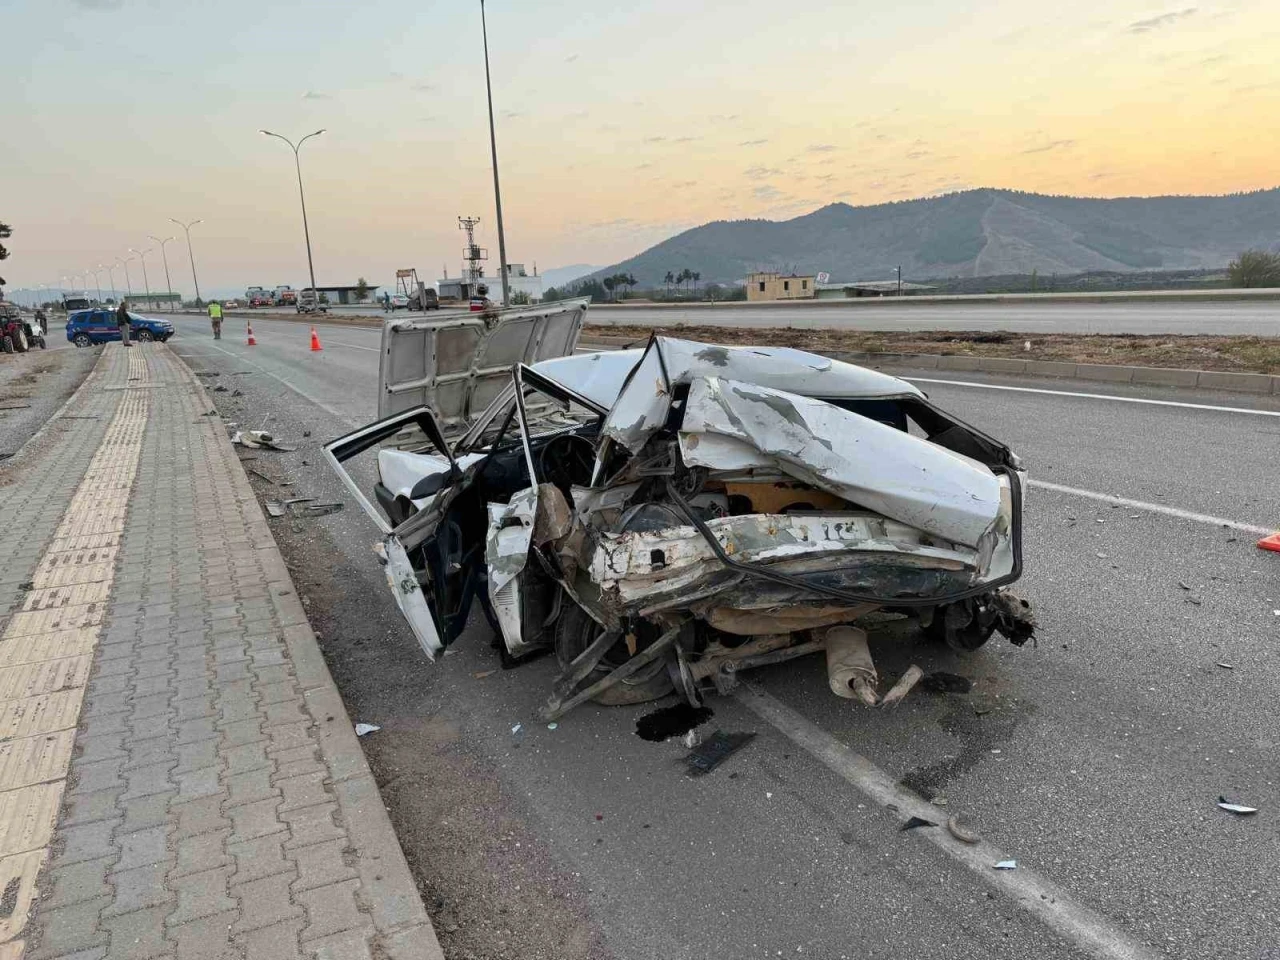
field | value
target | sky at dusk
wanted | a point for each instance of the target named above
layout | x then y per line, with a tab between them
617	127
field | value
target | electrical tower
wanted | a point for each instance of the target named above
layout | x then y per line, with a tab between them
474	255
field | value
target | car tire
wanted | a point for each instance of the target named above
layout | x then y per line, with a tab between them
145	336
575	631
6	343
82	340
42	344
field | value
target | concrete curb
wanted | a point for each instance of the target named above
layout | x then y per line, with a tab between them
400	919
1256	383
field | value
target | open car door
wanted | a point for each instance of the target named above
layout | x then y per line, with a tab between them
434	593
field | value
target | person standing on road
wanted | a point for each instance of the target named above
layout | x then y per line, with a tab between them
122	321
215	318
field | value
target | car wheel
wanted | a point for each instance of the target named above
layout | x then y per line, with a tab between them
145	336
575	631
6	343
42	344
82	340
20	343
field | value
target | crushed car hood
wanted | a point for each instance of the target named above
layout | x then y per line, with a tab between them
455	367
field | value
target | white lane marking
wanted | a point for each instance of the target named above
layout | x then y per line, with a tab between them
302	393
1092	933
1098	396
354	346
1150	507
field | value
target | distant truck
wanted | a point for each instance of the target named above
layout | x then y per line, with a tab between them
285	296
75	301
257	297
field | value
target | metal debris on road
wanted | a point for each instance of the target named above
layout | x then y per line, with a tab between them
1007	865
362	729
219	389
902	687
255	439
715	750
914	823
517	727
960	828
1238	808
1226	666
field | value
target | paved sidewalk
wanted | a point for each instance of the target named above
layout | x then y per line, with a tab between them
178	776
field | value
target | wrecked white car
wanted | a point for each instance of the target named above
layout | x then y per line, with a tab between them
664	517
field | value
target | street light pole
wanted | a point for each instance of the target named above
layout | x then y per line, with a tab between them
128	283
165	257
493	150
306	231
142	255
899	279
187	229
97	279
111	272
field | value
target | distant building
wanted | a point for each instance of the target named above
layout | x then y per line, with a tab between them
518	280
775	286
868	288
348	294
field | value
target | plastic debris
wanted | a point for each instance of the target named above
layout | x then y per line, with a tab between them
1007	865
1226	666
914	823
962	830
715	750
517	728
363	729
552	725
1238	808
481	674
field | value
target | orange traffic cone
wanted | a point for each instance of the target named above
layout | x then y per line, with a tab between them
315	341
1270	543
249	326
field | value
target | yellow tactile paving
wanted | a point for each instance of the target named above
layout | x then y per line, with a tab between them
47	646
18	885
49	676
27	817
45	655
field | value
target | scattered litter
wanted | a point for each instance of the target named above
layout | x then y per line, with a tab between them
940	681
960	828
1239	808
27	585
903	686
366	728
318	509
1183	585
306	433
1226	666
552	725
599	817
258	473
219	389
278	508
939	801
517	728
481	674
691	739
1135	516
237	393
259	438
275	508
1101	556
915	822
715	750
1007	865
1194	601
672	721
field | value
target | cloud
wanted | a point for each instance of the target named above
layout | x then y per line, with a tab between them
762	173
1210	61
423	87
512	114
724	117
753	143
654	139
1051	145
570	58
644	166
396	76
821	148
917	154
1160	20
686	139
99	4
766	192
316	95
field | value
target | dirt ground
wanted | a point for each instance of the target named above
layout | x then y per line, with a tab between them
1235	354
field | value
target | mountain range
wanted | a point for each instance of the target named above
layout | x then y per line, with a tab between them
974	233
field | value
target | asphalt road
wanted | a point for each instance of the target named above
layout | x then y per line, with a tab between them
1093	757
1174	316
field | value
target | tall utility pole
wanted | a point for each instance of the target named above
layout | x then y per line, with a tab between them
163	256
142	255
128	284
186	228
899	279
97	279
111	272
493	149
306	232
